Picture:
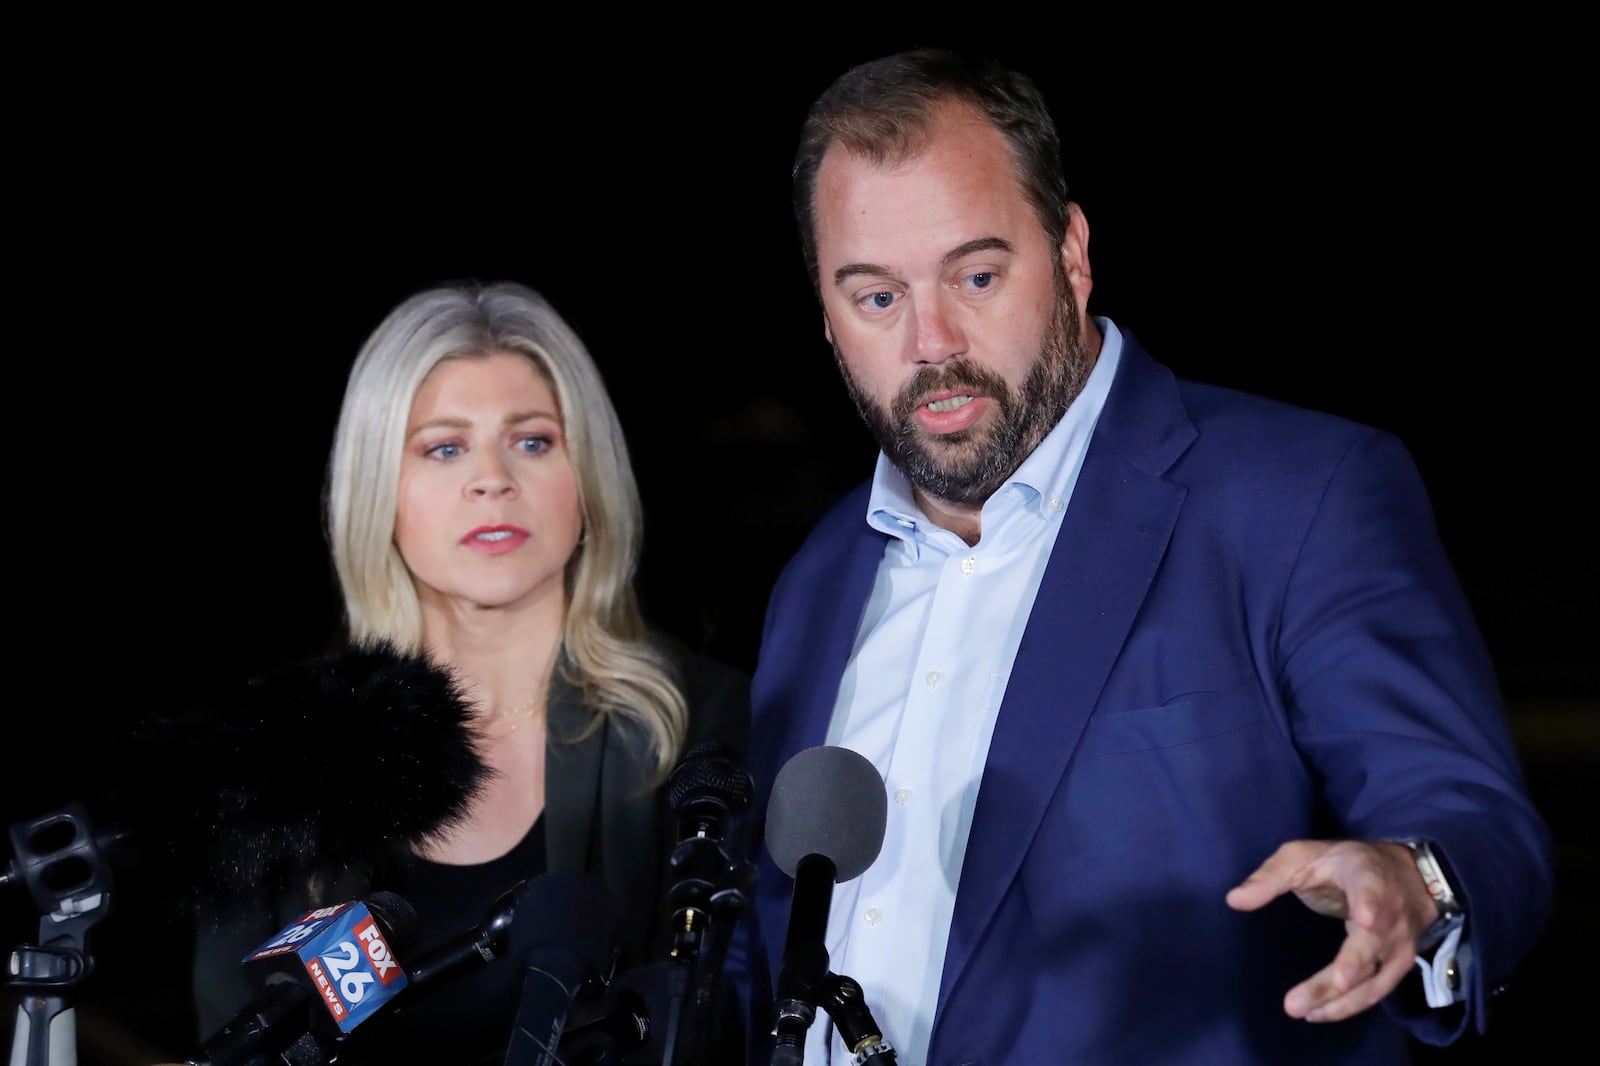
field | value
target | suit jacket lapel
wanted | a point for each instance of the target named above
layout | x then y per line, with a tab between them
1106	553
600	820
811	646
571	780
803	699
857	570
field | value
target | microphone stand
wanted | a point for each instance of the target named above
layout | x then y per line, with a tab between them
708	902
48	975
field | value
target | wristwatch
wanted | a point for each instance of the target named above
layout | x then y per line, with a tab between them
1433	876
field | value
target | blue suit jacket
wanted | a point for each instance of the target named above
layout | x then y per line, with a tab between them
1248	633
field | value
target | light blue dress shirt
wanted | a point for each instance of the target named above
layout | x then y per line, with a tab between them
919	698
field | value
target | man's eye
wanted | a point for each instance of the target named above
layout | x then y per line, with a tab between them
981	280
878	301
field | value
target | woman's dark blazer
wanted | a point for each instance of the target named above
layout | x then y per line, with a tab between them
601	818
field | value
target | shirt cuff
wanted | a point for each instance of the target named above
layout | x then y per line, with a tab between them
1444	975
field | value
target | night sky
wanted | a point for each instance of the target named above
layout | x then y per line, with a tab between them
1368	223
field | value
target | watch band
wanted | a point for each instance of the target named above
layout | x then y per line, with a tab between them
1433	877
1451	910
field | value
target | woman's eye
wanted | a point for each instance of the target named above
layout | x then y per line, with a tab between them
534	445
445	450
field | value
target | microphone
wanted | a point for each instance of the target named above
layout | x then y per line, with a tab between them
325	764
826	819
565	941
478	946
707	789
317	979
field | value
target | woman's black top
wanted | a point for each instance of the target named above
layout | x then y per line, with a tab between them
466	1018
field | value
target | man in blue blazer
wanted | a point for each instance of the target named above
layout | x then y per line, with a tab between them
1192	752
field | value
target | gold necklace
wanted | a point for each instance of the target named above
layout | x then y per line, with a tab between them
522	712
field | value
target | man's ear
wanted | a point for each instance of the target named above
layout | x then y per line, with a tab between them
1075	257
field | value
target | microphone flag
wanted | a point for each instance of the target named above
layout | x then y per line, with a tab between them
345	956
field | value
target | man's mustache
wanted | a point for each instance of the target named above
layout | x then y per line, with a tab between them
956	375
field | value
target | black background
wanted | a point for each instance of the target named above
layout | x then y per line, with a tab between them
1384	222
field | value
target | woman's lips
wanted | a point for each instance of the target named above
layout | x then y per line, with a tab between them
495	540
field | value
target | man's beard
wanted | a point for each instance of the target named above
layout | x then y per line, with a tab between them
968	466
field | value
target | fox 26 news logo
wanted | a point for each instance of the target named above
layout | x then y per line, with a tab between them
347	958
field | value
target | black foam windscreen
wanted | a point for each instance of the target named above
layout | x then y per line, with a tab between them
827	801
314	767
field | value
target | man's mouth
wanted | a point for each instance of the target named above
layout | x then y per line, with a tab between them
948	404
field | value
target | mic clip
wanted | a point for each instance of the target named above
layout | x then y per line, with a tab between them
846	1004
710	887
59	858
842	998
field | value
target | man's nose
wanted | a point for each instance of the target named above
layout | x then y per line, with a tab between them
939	336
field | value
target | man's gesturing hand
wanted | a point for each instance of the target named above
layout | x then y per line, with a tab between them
1380	895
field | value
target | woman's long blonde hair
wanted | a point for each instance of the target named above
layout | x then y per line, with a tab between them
604	647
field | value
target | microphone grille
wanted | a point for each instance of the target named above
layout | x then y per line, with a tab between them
709	771
827	801
397	917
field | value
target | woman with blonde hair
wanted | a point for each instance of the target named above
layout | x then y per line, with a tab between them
482	513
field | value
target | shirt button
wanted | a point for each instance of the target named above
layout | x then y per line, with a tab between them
969	566
934	677
1056	503
873	915
902	796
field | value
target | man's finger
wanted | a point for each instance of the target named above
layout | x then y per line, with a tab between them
1359	976
1283	871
